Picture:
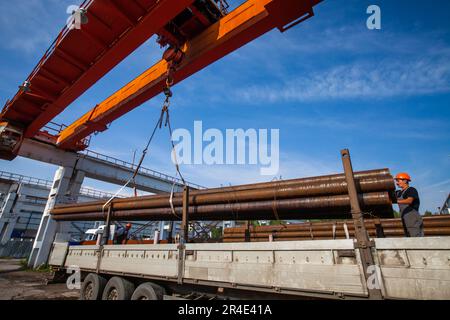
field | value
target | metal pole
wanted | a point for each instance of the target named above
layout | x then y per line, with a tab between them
247	231
170	233
108	226
357	216
185	221
156	237
362	238
185	235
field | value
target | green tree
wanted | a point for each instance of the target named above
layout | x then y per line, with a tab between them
396	214
276	222
216	233
257	223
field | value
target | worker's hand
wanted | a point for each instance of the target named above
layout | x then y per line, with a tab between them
408	201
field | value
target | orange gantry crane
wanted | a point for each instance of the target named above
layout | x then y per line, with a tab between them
195	33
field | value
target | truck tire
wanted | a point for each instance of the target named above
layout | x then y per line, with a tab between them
118	288
148	291
92	287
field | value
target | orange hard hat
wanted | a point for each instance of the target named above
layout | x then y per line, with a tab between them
403	176
128	225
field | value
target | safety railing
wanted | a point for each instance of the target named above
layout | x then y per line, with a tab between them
25	179
97	193
55	129
86	191
142	170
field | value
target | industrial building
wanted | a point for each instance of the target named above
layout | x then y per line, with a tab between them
22	202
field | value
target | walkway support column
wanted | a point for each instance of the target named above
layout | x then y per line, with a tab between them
65	189
7	217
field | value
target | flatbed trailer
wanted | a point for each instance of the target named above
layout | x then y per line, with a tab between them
359	268
405	268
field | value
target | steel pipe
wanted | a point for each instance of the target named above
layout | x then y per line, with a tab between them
369	181
433	226
299	208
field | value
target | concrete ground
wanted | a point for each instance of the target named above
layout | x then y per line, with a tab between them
16	283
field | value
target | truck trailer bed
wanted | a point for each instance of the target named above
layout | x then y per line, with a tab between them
408	268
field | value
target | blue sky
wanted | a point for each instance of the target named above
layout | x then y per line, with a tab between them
328	84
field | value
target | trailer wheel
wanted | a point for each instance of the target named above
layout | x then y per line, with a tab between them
118	289
92	287
148	291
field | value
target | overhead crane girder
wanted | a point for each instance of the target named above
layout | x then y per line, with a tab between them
244	24
78	58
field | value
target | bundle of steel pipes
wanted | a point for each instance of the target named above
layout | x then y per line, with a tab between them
324	197
434	226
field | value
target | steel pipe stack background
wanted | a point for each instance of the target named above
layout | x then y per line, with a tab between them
324	197
438	225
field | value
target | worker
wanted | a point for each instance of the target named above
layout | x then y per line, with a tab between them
121	235
408	202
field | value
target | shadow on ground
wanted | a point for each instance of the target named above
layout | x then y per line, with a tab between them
18	283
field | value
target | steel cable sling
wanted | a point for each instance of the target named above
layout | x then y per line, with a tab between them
163	115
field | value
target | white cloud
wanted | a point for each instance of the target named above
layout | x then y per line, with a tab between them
353	39
437	185
30	25
380	65
387	127
360	80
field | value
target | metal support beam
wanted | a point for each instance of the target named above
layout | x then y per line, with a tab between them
363	242
66	187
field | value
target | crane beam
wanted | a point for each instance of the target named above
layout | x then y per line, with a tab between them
244	24
77	59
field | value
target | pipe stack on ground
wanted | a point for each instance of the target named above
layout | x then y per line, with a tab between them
433	225
324	197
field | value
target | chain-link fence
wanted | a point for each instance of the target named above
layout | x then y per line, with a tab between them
16	248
